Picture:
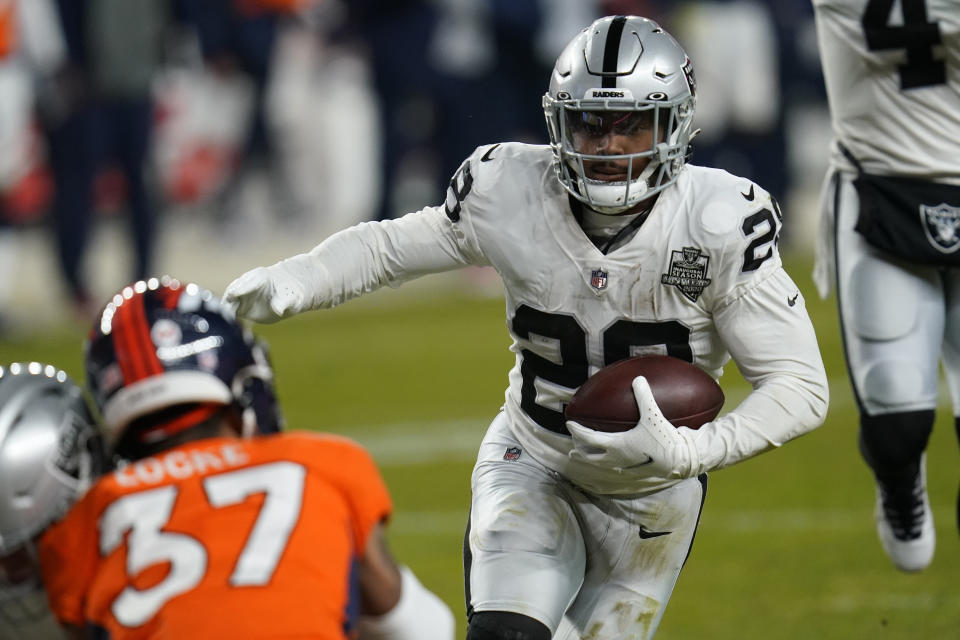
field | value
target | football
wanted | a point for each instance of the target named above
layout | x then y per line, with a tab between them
686	394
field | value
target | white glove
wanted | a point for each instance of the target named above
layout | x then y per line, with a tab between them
419	615
266	294
654	447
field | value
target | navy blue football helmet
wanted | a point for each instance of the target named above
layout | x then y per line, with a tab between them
160	344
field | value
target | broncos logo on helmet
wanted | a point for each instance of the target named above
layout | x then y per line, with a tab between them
160	344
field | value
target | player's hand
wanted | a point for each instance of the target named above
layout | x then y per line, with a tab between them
654	447
266	294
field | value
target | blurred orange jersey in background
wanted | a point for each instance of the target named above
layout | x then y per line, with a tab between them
221	537
257	7
8	27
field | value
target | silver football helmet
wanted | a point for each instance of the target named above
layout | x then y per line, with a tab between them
49	454
620	74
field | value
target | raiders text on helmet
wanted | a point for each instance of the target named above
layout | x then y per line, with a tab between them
621	64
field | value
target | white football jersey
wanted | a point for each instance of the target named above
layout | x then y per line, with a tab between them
700	280
892	74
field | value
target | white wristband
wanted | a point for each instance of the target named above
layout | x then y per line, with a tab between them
418	615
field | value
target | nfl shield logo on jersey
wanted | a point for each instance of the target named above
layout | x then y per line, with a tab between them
942	226
512	454
598	279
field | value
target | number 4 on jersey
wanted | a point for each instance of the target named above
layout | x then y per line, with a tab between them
917	35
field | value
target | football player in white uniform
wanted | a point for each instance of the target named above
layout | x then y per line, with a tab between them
890	237
50	452
609	245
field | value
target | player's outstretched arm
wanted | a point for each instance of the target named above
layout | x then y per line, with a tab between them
348	264
394	605
653	446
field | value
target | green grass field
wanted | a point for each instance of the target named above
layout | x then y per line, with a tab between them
786	547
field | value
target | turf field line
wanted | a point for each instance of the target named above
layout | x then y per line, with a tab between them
853	602
800	519
418	442
457	440
412	443
741	521
444	522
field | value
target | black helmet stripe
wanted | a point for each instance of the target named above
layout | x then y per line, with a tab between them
611	51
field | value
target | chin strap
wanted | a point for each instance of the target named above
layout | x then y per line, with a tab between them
625	233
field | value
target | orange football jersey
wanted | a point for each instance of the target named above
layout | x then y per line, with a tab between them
8	27
220	538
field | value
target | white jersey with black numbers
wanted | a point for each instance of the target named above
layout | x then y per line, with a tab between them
700	280
892	74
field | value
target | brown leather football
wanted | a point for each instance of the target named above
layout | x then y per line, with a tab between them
686	394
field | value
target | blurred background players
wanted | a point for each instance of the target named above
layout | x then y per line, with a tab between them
50	453
240	37
450	75
282	535
332	68
761	121
31	49
99	113
890	238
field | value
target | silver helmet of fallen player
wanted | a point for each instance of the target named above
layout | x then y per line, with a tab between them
621	64
49	454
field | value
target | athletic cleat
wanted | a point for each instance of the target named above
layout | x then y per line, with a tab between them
905	523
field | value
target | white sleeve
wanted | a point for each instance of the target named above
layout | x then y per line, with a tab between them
418	615
369	255
770	337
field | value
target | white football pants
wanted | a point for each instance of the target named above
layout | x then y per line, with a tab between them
897	318
540	546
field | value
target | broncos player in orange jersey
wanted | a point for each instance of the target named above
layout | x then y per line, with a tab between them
281	534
